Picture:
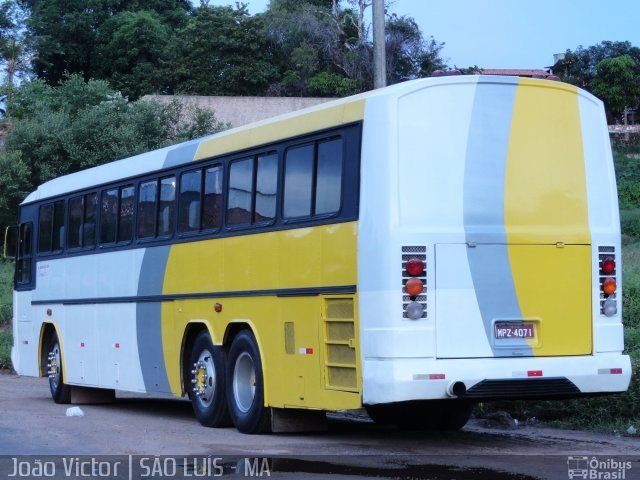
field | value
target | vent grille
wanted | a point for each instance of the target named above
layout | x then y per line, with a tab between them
523	388
409	252
604	253
340	355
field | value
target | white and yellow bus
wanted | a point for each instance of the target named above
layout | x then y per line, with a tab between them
411	250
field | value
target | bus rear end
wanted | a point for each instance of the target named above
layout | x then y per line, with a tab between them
489	245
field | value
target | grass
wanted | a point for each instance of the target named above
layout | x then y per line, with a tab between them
6	290
6	340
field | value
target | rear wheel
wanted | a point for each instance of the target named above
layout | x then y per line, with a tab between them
245	386
60	392
207	382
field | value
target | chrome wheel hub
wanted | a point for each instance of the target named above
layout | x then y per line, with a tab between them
204	378
244	382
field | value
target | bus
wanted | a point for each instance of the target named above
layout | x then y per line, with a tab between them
411	250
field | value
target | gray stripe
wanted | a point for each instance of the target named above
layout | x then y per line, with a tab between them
484	186
149	320
181	154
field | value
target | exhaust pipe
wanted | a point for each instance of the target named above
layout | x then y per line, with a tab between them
456	389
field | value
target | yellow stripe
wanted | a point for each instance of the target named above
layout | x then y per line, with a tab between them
290	126
545	184
546	203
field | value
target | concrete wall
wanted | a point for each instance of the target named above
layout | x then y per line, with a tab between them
239	111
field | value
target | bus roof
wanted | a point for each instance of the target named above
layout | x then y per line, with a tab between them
323	116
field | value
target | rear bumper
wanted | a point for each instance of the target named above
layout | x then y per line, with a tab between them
398	380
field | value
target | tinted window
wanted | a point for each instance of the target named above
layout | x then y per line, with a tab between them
76	216
23	261
190	185
58	225
212	207
329	177
298	181
266	188
125	222
166	210
109	216
240	192
89	225
45	227
147	202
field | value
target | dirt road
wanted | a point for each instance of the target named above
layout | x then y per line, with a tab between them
31	424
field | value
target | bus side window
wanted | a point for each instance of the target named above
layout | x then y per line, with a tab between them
298	180
125	219
240	192
266	188
212	201
189	209
76	214
58	225
89	224
108	216
166	210
147	203
23	260
329	177
45	227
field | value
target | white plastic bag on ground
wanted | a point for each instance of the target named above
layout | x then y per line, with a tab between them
75	412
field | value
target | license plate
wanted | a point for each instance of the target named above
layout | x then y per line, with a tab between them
503	330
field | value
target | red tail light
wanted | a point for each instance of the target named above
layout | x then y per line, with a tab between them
415	267
608	266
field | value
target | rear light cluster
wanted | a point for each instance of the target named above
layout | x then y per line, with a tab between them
608	286
414	282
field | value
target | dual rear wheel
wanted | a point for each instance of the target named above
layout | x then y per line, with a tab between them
229	390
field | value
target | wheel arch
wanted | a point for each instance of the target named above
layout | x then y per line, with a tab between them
191	331
47	330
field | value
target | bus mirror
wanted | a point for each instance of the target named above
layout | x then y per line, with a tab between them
10	243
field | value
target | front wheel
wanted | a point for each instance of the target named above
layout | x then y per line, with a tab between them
245	386
60	392
207	382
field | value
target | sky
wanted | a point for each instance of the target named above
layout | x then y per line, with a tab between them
512	33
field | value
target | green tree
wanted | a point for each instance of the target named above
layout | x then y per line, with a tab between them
617	83
59	130
222	51
578	67
409	55
63	33
338	37
131	50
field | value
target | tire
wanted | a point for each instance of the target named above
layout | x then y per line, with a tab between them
245	386
206	382
60	392
423	415
457	414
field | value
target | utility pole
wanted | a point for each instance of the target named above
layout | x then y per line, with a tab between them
379	54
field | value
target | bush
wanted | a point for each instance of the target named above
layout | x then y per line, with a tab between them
630	224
